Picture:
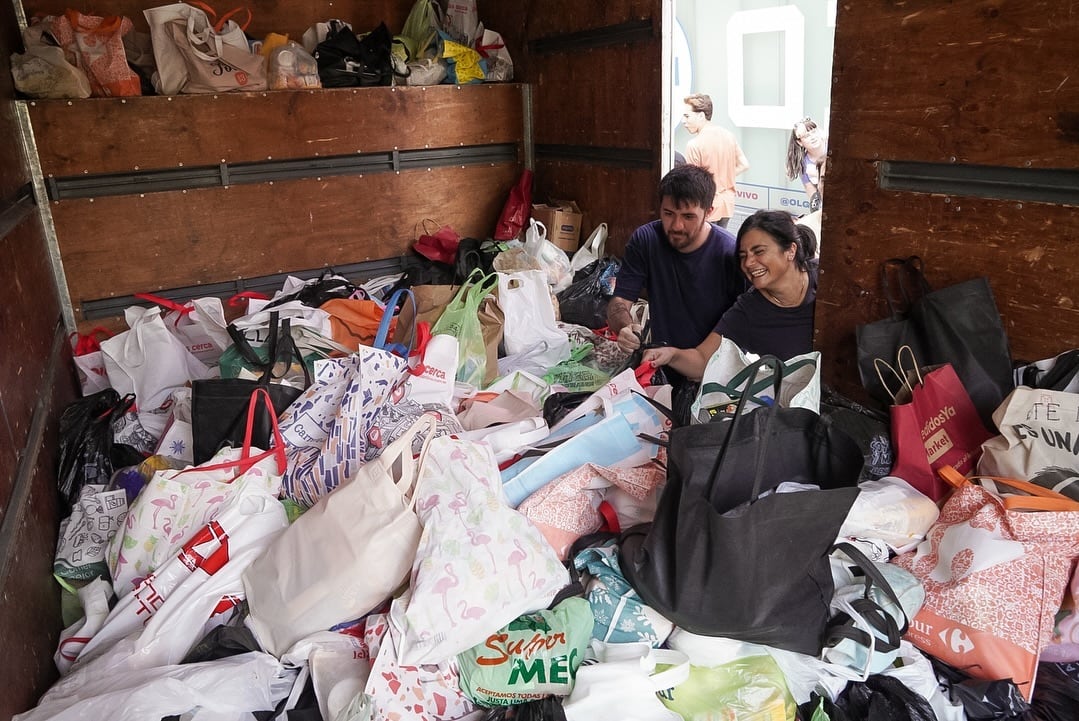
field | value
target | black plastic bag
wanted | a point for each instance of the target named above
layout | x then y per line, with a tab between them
982	700
473	254
545	709
868	427
883	698
558	405
584	302
327	286
86	447
347	61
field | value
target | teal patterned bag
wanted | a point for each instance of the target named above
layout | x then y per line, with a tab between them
621	615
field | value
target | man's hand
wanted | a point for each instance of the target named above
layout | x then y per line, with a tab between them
629	338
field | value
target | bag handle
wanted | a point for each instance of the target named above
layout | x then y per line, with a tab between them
406	484
672	677
246	460
738	378
1040	498
900	374
423	226
183	308
85	343
220	24
479	290
380	341
899	356
872	575
762	447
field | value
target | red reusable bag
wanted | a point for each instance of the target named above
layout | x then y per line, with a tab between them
934	424
517	210
439	246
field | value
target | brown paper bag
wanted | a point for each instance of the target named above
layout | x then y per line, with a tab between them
491	322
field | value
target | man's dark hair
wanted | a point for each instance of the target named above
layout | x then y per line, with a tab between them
688	184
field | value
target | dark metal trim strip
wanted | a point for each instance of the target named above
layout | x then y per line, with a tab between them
268	284
212	176
1039	185
17	210
632	31
621	157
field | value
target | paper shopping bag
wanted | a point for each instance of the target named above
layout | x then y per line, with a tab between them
934	424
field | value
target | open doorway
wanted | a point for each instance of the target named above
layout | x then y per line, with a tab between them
765	67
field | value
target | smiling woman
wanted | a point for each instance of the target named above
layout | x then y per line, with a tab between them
773	317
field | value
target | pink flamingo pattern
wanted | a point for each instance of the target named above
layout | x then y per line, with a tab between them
455	584
172	507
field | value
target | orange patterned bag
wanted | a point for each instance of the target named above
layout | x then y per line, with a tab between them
96	45
994	569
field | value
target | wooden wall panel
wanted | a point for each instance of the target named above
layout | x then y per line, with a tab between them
28	315
585	108
596	103
127	244
30	618
291	17
908	87
622	198
987	82
107	135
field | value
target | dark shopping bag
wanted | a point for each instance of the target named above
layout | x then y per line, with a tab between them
86	443
584	302
727	557
934	424
219	405
959	325
345	60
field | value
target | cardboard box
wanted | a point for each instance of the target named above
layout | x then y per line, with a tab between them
562	219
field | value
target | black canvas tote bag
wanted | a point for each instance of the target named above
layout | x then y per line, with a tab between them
725	556
219	405
958	324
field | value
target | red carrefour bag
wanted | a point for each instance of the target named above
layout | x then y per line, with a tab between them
934	424
994	568
517	210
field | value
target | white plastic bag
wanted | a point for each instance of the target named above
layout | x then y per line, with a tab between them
221	689
728	370
592	250
167	612
529	317
552	259
150	362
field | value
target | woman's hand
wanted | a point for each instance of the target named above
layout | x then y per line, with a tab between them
659	356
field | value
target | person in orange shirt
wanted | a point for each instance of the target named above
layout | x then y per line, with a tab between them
715	149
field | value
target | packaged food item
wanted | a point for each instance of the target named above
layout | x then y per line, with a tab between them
292	68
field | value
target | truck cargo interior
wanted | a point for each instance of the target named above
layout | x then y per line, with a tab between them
953	136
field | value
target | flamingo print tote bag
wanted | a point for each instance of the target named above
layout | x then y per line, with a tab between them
480	564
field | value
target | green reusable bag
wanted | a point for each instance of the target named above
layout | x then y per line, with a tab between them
461	319
576	374
534	656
